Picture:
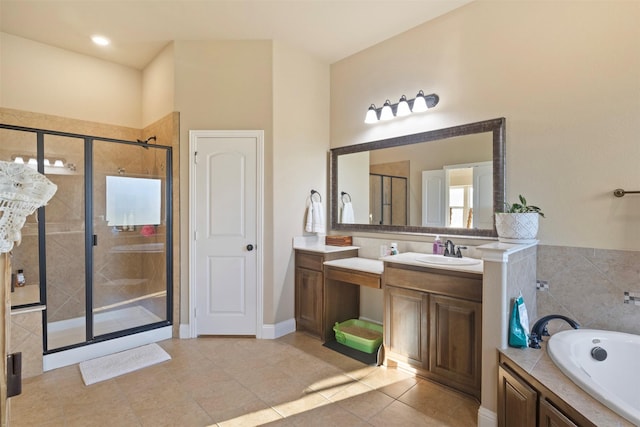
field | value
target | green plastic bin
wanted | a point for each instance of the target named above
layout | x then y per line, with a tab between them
359	334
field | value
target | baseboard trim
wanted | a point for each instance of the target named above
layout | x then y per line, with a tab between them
270	332
487	418
185	331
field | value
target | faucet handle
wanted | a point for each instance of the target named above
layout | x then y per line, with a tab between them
534	341
458	253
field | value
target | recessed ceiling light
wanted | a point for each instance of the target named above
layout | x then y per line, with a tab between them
100	40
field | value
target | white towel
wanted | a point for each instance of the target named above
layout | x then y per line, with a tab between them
309	225
315	218
348	216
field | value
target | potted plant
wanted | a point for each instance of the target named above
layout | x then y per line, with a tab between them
519	222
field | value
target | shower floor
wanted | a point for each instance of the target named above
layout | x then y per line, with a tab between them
72	331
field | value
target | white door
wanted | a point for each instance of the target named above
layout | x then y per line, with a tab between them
433	198
225	231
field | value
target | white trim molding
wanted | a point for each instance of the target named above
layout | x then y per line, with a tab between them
487	418
271	332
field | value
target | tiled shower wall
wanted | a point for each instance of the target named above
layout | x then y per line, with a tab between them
589	285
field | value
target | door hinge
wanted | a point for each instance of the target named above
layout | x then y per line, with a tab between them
195	235
195	157
195	312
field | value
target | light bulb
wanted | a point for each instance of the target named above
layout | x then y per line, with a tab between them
19	159
33	161
387	112
420	103
100	40
58	163
403	107
372	115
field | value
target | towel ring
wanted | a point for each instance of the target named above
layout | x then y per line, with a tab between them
315	192
342	196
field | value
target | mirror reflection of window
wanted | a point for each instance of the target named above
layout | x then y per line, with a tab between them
461	206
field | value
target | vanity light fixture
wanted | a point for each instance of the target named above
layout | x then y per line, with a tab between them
33	161
404	107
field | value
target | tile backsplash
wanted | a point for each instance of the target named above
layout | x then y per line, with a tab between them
589	285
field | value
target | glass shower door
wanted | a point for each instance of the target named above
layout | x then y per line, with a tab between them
130	236
65	270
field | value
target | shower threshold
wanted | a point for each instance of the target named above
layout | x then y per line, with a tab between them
72	331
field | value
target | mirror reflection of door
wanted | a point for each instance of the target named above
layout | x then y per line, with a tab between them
388	200
458	196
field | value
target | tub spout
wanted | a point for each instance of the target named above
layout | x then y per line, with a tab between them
540	328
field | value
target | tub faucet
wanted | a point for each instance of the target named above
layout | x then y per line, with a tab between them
451	250
540	328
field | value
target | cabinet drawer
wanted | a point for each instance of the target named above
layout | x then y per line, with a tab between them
312	262
456	285
360	278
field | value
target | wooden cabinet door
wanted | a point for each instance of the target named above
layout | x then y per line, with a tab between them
309	296
406	323
551	417
455	342
517	401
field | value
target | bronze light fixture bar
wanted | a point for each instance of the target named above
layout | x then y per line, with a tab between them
403	107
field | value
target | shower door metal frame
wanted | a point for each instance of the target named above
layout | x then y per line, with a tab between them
89	236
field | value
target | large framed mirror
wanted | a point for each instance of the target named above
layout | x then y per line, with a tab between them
447	181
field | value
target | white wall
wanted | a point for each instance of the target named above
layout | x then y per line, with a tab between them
158	87
43	79
300	162
565	76
223	85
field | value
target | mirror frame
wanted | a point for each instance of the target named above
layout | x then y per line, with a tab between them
498	129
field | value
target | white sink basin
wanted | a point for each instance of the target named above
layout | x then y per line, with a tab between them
445	260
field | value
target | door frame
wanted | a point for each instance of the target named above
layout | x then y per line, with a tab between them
259	135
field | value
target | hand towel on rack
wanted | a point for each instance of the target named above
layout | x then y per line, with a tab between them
348	216
309	224
315	218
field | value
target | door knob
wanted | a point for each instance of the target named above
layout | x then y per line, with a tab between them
249	247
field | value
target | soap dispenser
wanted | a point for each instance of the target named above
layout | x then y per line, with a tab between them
436	245
394	249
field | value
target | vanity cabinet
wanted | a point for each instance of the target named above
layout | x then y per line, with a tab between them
309	289
523	401
433	323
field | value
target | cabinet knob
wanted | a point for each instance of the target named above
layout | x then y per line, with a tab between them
249	247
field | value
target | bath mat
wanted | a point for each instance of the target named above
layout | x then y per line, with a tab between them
113	365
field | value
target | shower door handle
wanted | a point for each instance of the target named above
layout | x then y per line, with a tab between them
95	240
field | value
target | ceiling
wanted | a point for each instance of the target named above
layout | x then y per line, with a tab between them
139	29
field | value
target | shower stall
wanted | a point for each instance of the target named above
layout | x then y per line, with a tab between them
98	257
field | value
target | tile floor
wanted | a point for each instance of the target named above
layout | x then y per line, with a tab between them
291	381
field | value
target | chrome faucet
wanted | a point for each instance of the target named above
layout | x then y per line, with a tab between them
451	250
540	328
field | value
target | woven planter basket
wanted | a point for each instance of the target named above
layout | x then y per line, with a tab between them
517	227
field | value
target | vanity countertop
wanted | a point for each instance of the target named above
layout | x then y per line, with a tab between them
411	258
324	249
316	244
538	364
361	264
